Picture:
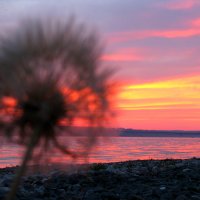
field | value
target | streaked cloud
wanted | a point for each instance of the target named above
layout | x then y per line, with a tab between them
154	46
168	101
180	4
124	54
138	35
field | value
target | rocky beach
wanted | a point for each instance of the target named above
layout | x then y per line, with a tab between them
132	180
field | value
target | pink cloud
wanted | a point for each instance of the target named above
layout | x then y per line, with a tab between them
142	34
147	54
120	57
125	54
180	4
195	22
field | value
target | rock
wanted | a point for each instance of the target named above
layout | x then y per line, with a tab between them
155	169
133	180
55	173
44	180
76	188
181	197
116	170
3	191
135	197
162	188
179	165
166	196
171	166
6	180
156	192
143	170
61	193
195	197
91	195
136	173
186	170
40	190
110	195
23	192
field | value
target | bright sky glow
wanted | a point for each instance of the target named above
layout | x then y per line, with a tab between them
154	46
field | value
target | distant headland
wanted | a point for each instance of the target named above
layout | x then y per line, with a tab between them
126	132
157	133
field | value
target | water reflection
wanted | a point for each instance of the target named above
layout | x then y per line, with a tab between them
118	149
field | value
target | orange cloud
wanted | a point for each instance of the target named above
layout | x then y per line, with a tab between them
162	119
167	104
9	101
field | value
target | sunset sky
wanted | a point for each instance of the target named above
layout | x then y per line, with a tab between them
154	45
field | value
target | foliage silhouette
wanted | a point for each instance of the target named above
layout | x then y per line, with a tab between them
51	70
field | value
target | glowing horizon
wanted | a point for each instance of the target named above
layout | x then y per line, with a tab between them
172	104
152	45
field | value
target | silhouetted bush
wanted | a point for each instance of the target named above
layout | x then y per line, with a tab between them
51	70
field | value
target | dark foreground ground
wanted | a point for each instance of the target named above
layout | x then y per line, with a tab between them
132	180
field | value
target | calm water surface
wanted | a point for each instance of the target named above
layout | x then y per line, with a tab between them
120	149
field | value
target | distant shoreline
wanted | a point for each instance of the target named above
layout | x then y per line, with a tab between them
158	133
126	132
161	136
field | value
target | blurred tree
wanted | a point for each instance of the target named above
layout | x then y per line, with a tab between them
51	71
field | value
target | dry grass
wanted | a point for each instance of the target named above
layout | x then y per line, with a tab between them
52	71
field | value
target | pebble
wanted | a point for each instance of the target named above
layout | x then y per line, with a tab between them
186	170
132	180
194	197
3	191
155	169
163	188
179	165
181	197
6	180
